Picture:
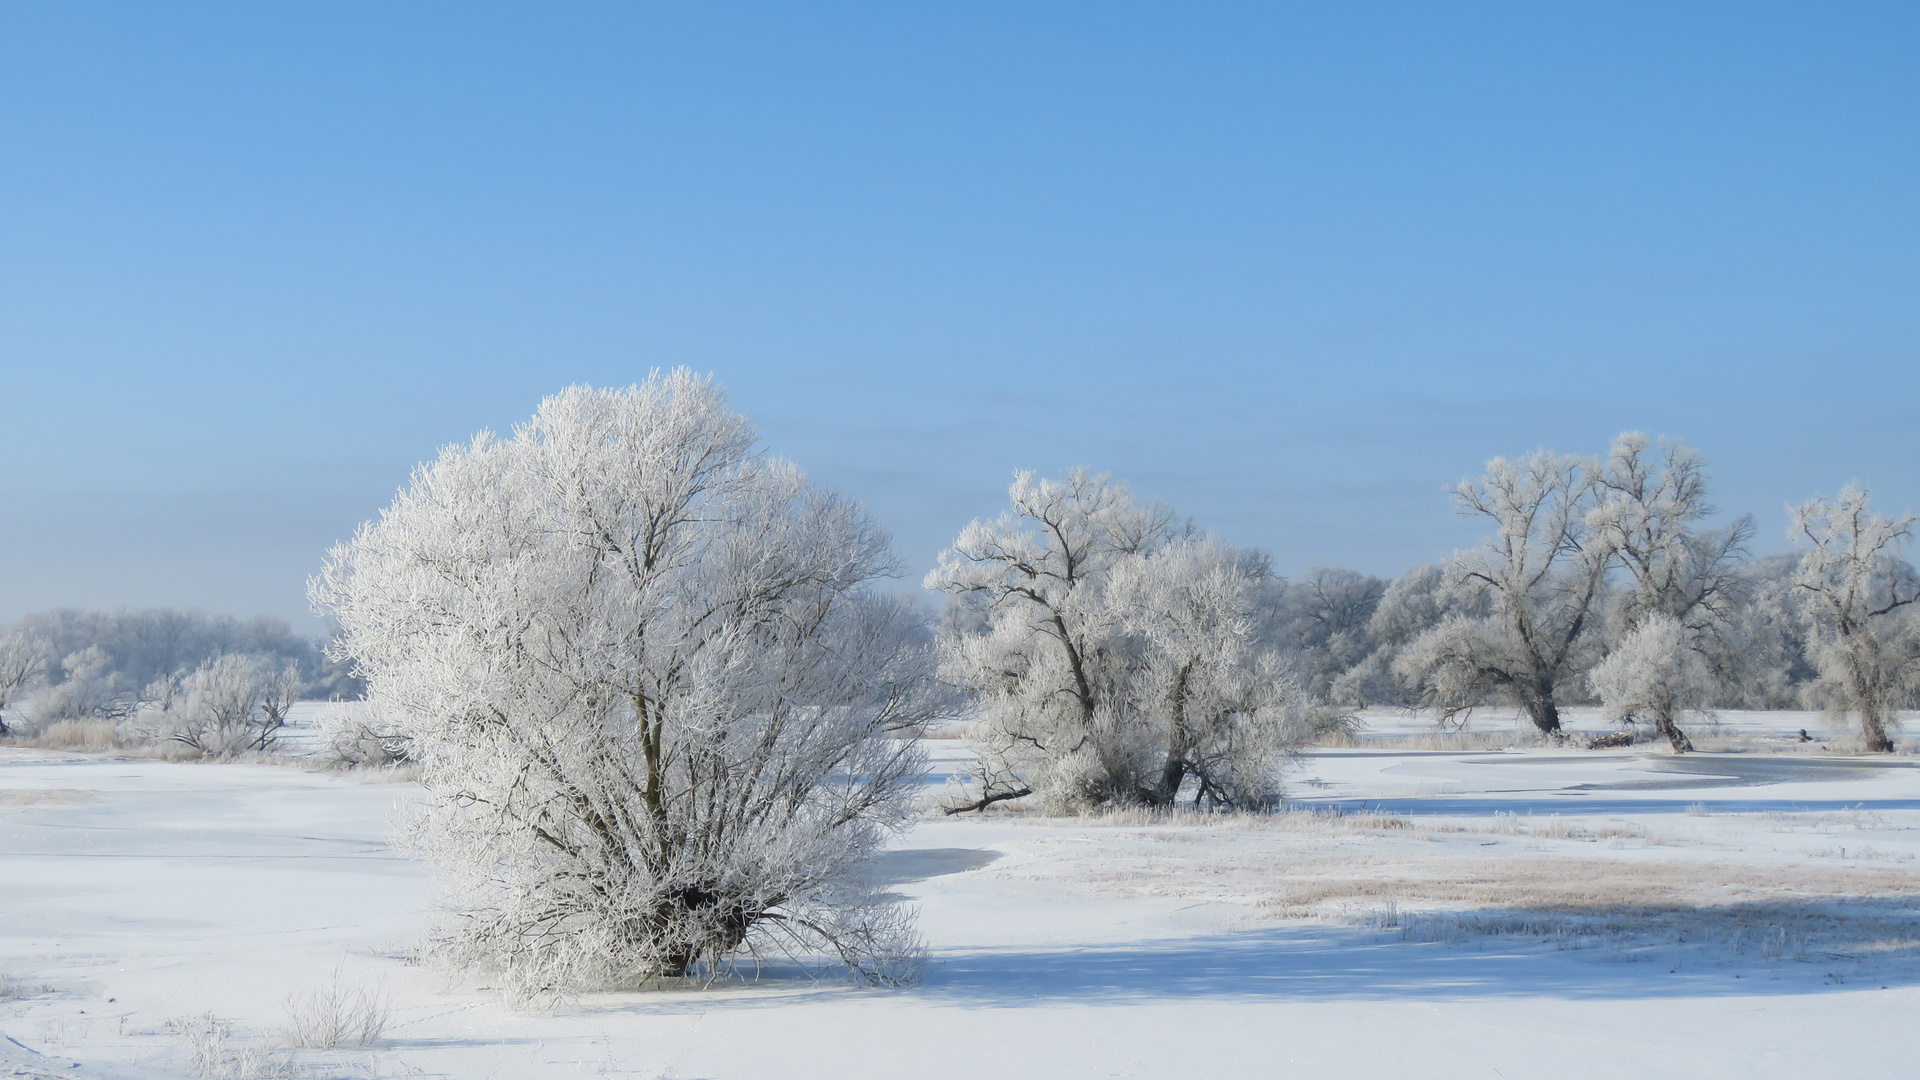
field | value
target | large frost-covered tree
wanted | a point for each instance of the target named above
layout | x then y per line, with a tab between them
1648	511
1541	576
651	687
1115	656
1649	506
1860	595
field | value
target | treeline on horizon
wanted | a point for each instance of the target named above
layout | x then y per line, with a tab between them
1584	551
1350	629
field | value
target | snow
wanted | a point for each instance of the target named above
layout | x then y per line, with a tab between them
137	893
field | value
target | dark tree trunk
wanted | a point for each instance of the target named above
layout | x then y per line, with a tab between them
1545	714
1873	732
1681	744
1173	771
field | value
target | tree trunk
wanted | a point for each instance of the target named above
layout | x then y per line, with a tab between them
1173	771
1664	722
1873	732
1867	692
1545	715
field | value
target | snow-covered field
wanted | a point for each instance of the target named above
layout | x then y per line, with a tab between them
1484	913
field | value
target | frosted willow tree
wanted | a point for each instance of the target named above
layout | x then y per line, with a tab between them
652	692
1541	577
1859	593
1648	510
1649	505
1115	657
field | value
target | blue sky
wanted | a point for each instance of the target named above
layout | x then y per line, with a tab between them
1291	268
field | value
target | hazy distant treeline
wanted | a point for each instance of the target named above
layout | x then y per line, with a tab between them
1349	629
72	664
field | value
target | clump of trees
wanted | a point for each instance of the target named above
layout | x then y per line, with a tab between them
1584	552
1601	583
656	693
1115	656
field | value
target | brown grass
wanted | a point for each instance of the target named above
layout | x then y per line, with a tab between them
29	798
1421	878
84	736
99	737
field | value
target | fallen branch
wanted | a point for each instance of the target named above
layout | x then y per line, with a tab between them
985	801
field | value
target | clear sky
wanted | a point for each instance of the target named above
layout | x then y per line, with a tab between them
1289	267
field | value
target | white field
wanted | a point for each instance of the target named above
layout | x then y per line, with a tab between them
1520	913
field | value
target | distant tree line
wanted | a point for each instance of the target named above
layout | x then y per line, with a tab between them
71	665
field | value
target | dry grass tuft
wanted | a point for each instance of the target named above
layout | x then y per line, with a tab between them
215	1052
336	1015
1315	819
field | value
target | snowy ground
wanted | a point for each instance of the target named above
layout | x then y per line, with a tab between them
1529	912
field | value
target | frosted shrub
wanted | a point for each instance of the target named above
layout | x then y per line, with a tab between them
650	689
353	735
1655	673
1115	657
337	1015
229	704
